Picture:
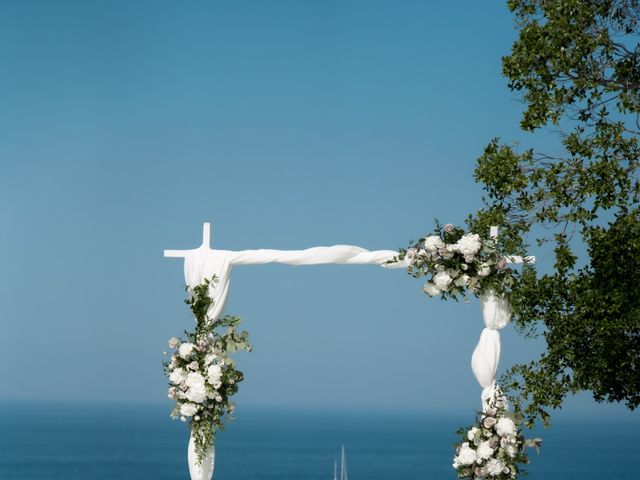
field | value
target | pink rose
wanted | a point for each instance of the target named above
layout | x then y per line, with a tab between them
449	228
489	422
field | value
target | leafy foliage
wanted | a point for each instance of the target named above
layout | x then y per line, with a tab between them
576	64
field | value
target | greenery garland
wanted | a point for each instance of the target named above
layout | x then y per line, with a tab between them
202	375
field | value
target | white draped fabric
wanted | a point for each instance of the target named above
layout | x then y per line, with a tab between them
203	471
496	313
204	262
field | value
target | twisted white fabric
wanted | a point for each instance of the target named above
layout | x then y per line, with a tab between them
496	313
204	262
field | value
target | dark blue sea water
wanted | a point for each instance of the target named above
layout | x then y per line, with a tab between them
98	442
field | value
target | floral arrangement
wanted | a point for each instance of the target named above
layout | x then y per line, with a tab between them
202	376
456	262
494	447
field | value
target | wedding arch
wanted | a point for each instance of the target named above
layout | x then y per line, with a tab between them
203	377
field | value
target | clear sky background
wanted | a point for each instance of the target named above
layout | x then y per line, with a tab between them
287	124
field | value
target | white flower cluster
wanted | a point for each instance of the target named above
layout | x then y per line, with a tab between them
454	260
195	374
202	375
493	448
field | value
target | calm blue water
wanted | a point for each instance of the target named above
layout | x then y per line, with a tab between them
116	442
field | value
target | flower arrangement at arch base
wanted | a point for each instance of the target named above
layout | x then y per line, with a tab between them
202	376
494	447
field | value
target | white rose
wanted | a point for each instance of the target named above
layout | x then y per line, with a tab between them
469	244
466	455
196	391
178	376
433	243
210	358
511	450
214	372
194	379
462	281
188	409
495	467
484	450
505	427
484	270
471	434
185	350
174	342
442	280
430	289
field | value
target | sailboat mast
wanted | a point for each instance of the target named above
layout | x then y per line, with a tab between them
335	469
343	466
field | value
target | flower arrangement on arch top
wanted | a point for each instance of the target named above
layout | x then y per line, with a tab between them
202	376
456	262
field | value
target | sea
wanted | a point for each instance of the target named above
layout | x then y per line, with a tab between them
109	442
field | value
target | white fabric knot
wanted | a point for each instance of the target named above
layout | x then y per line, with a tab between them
491	396
484	361
496	311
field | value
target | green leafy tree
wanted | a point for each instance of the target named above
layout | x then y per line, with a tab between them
576	66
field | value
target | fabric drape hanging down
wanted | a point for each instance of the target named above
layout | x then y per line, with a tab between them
496	313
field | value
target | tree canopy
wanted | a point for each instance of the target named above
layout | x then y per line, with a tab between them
576	67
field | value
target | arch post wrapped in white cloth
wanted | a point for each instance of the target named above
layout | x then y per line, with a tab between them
496	313
204	263
204	470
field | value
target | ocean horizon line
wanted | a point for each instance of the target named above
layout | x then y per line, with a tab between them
366	411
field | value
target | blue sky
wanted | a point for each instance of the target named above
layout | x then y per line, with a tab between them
125	125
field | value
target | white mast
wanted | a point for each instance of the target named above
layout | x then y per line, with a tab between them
343	466
335	469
